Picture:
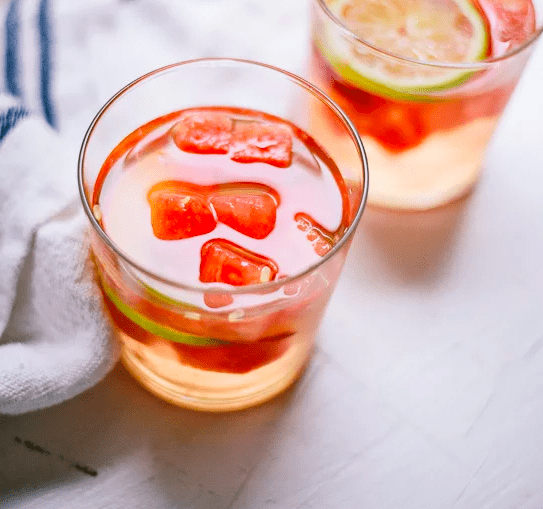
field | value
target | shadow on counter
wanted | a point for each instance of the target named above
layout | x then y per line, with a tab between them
413	248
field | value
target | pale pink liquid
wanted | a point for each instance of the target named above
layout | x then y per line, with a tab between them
306	186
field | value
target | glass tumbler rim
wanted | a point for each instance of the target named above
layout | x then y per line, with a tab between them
263	287
480	64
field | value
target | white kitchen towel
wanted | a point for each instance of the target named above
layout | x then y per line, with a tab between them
55	340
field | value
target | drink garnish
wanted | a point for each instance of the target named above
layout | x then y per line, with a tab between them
250	213
214	132
424	31
318	236
179	213
223	261
262	142
203	132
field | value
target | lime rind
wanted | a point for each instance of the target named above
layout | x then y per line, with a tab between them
155	328
420	93
419	80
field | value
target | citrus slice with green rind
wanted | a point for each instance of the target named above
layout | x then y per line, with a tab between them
156	328
454	32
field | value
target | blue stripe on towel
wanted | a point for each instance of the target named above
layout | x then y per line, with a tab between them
45	36
12	43
9	119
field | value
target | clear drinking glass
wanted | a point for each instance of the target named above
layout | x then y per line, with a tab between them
425	124
241	354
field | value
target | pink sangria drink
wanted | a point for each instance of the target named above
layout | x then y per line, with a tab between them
225	229
425	83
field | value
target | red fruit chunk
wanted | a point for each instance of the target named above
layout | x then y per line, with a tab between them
316	234
262	142
203	133
250	213
179	213
225	262
217	300
398	127
233	358
515	21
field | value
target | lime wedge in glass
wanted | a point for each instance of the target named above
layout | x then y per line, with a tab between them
156	328
423	31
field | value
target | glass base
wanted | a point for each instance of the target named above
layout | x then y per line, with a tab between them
161	373
442	169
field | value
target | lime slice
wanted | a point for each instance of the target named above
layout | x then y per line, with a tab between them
156	328
430	31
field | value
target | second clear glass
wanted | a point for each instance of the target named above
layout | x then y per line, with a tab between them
425	144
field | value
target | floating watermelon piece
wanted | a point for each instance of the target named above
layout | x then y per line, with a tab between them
251	213
217	300
225	262
316	234
203	133
179	213
262	142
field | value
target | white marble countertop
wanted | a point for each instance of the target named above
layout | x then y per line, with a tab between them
426	390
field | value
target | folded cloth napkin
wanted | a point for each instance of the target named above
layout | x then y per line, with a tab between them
55	341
